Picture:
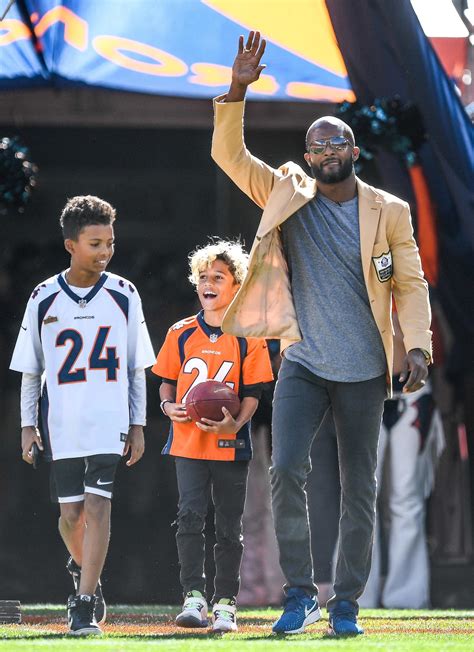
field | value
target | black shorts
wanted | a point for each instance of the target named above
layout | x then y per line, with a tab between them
72	478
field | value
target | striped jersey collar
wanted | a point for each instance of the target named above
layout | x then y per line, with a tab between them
213	332
81	301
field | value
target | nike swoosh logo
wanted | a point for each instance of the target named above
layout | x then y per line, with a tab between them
24	328
308	610
99	482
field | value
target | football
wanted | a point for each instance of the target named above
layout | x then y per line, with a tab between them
208	398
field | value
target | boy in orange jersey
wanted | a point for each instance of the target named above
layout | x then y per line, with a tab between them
211	457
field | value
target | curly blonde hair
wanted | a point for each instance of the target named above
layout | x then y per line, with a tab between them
230	252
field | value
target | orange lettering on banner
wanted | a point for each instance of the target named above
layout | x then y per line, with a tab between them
210	74
75	29
213	74
319	93
265	85
112	48
14	30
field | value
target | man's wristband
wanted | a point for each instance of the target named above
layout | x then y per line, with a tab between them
163	403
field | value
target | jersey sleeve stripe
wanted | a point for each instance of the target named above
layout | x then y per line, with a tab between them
121	300
43	309
182	339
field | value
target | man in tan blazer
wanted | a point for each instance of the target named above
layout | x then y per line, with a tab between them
329	253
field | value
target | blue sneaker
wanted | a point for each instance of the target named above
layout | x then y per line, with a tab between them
300	610
343	620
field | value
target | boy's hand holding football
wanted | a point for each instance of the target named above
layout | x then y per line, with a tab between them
228	425
176	412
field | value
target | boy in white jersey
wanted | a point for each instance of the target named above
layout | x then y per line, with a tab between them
85	336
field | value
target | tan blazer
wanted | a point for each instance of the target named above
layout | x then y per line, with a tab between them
264	305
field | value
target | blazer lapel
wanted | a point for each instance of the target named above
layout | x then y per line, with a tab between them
369	213
278	209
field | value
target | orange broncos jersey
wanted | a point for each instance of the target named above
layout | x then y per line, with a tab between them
194	352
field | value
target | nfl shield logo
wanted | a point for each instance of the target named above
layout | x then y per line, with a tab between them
82	303
383	266
213	337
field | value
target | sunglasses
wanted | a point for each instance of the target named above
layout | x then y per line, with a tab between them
337	144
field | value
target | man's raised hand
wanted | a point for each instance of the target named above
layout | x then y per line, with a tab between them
247	66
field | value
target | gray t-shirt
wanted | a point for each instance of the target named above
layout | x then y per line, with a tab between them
341	341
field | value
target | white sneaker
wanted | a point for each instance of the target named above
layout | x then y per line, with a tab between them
194	612
224	617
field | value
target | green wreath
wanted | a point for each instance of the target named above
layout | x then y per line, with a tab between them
17	175
386	123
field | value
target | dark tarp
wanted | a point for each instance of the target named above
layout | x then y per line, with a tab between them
387	54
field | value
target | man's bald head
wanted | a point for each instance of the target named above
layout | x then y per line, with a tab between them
324	125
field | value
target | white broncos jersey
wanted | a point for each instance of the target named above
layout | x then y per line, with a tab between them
86	347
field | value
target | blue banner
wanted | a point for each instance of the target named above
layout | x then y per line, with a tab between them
181	48
20	64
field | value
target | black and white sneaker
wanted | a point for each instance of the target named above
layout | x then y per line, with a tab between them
80	616
224	616
194	613
100	606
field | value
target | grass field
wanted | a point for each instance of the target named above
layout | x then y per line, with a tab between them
152	627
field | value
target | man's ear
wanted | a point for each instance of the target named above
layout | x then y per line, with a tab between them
69	246
355	153
307	158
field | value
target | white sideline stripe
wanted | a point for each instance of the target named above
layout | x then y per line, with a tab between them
98	492
71	499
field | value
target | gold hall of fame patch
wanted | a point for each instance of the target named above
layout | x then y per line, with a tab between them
383	266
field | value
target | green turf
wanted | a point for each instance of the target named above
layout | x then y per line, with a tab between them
391	631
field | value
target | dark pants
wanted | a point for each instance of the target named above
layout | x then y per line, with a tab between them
301	402
324	499
226	483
